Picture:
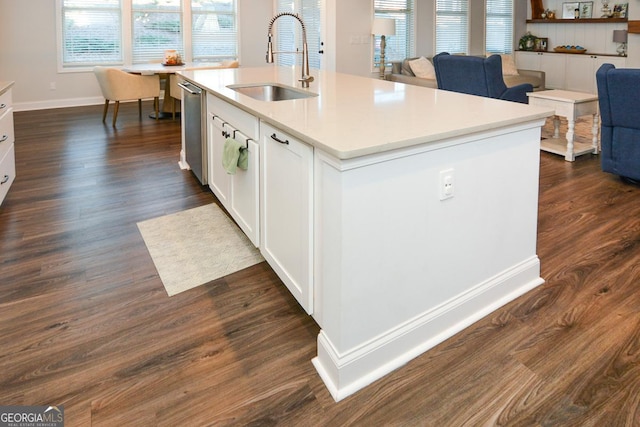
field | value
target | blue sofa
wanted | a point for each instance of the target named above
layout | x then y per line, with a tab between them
477	76
619	99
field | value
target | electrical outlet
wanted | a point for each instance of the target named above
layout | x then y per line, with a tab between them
446	184
52	86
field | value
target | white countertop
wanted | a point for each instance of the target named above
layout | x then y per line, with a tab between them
4	86
355	116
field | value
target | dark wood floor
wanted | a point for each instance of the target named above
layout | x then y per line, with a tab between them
85	321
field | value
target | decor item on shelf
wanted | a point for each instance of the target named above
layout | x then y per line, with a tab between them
620	36
551	14
569	10
569	49
527	42
620	10
606	11
537	9
541	44
383	27
586	10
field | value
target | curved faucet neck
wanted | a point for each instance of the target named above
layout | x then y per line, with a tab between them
306	77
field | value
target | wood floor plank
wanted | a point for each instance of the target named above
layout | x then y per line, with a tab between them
85	321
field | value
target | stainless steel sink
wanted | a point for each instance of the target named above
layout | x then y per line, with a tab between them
271	91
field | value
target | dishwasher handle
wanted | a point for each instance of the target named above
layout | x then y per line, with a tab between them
192	89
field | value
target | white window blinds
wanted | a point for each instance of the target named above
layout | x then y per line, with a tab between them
91	32
452	26
400	45
214	34
499	26
116	32
157	25
288	33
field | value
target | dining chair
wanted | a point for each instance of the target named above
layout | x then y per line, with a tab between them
477	76
117	85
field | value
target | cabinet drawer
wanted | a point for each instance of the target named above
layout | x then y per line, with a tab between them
7	172
239	119
5	102
6	132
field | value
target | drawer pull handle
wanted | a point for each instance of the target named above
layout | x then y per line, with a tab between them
3	106
4	138
5	179
275	138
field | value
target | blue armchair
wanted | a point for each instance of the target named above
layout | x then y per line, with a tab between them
474	75
619	99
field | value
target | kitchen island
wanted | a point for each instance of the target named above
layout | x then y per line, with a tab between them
397	215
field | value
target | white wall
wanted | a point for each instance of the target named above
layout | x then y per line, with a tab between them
28	47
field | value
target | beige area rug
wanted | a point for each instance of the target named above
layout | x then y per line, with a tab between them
196	246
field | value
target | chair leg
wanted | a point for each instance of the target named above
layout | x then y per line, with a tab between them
115	113
104	113
140	108
156	104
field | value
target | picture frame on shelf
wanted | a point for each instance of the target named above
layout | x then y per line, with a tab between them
542	44
586	9
569	10
620	10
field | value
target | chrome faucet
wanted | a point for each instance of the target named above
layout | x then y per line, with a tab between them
306	77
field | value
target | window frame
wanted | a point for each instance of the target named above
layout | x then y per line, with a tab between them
126	37
386	9
504	17
452	14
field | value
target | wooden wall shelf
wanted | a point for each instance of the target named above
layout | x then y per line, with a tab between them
634	27
578	21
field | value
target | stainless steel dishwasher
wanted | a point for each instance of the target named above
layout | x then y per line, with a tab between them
194	134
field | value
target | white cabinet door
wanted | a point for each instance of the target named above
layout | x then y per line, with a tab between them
581	71
286	209
528	60
219	180
552	64
245	197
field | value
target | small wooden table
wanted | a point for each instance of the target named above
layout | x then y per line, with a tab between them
570	105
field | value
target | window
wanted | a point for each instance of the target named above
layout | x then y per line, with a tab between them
287	31
213	29
117	32
91	32
401	45
499	26
452	26
156	26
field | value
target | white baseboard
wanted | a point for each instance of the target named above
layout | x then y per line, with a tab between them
57	103
63	103
344	374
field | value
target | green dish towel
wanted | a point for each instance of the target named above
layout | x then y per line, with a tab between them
234	156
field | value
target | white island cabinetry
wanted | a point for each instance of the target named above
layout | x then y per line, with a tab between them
287	211
352	217
238	193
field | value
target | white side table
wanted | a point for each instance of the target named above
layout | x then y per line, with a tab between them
570	105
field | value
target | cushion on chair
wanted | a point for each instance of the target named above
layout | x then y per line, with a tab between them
423	68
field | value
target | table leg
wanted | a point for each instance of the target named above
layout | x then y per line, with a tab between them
570	157
594	131
556	127
166	110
